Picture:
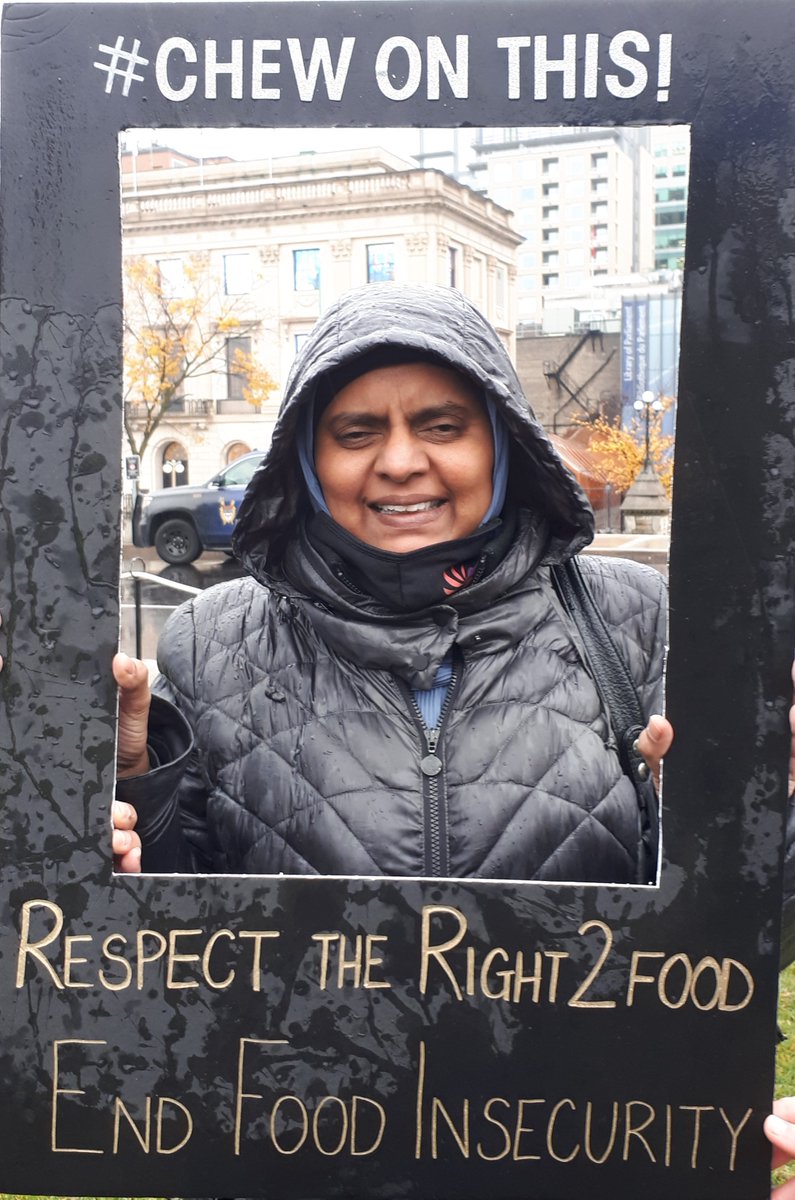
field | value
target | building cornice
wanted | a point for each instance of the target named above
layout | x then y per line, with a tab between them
272	205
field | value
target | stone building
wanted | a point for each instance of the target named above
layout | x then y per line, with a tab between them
280	240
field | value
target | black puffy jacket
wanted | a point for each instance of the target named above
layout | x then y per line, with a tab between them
308	748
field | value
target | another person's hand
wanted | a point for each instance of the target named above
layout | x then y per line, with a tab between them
654	743
132	758
134	698
780	1130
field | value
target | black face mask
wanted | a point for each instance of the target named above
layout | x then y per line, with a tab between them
417	580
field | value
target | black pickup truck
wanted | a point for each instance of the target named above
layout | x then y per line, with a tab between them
182	522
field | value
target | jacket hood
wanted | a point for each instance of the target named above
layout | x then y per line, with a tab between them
435	321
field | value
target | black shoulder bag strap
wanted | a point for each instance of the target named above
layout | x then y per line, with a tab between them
620	698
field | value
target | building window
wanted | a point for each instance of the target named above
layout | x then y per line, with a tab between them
550	212
676	217
575	212
306	270
550	236
235	451
173	370
500	292
670	239
549	166
238	349
298	341
381	262
452	257
237	274
664	195
599	162
550	280
477	280
551	258
550	190
174	465
172	277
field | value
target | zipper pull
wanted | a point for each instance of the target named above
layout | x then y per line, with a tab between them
431	764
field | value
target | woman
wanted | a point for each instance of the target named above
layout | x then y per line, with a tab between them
396	689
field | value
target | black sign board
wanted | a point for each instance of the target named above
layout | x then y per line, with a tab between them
331	1037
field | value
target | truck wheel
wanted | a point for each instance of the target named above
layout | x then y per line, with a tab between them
176	541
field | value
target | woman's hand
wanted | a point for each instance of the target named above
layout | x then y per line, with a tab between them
654	743
126	842
780	1130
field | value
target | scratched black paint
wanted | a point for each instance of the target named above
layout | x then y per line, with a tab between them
732	628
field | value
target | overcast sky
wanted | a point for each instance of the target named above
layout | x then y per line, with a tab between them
261	143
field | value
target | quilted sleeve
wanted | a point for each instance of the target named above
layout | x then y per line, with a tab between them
633	599
155	794
171	798
175	686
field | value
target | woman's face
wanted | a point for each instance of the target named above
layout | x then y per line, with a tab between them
404	457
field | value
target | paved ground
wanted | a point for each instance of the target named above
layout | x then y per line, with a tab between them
646	548
155	600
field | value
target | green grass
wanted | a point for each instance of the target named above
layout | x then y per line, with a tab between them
785	1067
785	1055
785	1058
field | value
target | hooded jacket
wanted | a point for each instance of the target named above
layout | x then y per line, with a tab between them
284	735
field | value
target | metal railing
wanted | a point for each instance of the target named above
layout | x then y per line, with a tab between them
140	577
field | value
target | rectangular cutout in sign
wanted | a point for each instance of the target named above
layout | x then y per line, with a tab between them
196	1034
206	362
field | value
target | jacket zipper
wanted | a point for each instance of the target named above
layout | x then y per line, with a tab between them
434	790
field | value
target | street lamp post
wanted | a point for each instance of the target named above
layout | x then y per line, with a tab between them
171	468
609	496
648	404
646	508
